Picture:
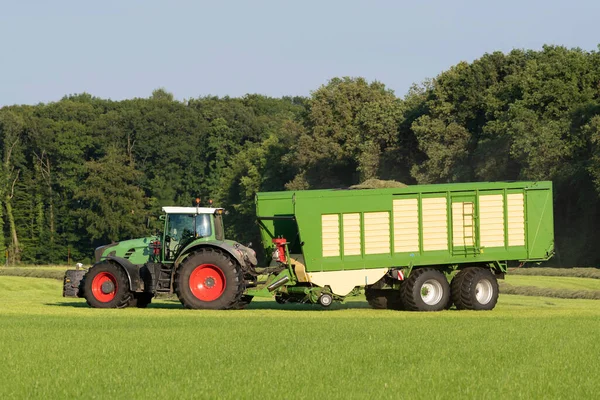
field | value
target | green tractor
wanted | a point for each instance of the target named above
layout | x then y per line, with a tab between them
191	258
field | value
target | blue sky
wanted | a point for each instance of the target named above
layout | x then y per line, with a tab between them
125	49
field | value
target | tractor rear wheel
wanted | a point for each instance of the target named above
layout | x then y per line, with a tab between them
106	286
475	288
426	289
209	279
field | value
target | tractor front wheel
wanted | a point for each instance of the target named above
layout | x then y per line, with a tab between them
209	279
106	286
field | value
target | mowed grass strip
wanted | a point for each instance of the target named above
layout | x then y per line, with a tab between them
526	348
564	287
36	271
553	282
572	272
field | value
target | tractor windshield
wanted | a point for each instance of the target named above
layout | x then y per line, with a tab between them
182	226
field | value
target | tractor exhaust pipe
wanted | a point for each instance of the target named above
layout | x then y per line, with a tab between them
278	283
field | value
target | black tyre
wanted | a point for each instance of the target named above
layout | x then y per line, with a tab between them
426	289
382	299
106	286
71	282
244	301
475	288
209	279
140	300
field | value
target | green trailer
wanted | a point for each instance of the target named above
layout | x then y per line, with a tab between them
403	245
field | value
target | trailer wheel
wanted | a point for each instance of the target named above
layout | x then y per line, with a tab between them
209	279
106	286
475	288
382	299
426	289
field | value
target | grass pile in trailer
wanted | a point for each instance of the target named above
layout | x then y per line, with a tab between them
59	348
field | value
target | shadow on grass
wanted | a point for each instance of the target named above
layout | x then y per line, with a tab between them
257	305
83	304
273	305
68	304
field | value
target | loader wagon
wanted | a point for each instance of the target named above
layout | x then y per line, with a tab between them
404	245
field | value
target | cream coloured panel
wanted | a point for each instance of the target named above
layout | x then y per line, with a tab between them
342	282
351	228
406	225
491	220
330	232
516	219
377	232
435	224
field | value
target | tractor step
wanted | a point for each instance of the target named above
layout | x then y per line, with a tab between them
161	275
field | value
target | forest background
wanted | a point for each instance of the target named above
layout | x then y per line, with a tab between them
85	171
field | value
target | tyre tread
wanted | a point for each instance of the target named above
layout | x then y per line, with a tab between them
463	289
408	287
226	261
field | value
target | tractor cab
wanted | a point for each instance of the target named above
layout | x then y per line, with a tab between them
184	225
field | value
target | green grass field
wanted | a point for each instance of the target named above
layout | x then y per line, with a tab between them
528	347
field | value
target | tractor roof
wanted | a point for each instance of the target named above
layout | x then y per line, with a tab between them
189	210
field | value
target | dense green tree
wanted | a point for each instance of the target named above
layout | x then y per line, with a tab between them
350	124
112	207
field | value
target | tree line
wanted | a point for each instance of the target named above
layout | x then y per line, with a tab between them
84	171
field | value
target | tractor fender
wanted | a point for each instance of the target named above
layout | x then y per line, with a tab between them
229	249
132	271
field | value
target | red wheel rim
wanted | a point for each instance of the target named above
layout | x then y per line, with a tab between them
101	279
207	282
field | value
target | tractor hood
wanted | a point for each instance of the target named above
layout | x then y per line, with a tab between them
137	251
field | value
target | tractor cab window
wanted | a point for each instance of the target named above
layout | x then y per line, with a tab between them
182	229
182	226
203	228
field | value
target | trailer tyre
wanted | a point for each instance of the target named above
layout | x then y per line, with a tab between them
475	288
209	279
106	286
426	289
382	299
